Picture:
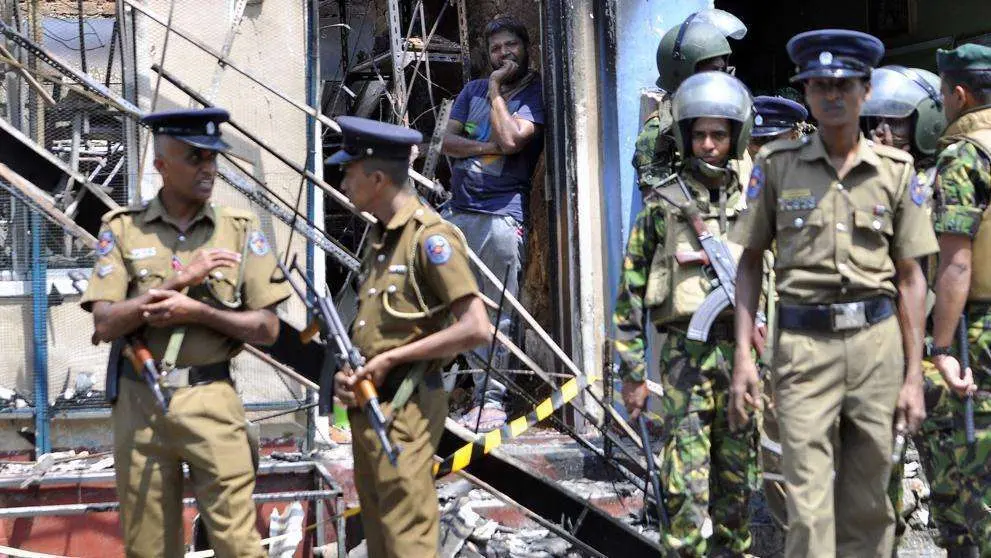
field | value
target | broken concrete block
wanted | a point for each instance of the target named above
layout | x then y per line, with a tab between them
455	528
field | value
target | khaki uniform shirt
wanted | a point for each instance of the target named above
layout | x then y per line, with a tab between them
415	266
837	239
140	247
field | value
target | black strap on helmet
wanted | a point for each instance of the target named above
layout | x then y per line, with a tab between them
681	37
921	82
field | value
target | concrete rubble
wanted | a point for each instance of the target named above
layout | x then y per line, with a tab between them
476	524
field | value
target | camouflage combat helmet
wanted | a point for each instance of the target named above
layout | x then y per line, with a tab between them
703	35
900	92
714	95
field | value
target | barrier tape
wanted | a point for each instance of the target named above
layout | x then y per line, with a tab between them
491	440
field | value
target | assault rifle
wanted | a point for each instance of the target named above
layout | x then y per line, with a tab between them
144	364
716	256
135	351
327	322
968	408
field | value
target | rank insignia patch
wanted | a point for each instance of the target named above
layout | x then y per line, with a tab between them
438	249
258	243
104	243
756	182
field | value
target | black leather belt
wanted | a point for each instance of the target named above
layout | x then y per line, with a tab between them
431	378
196	375
840	316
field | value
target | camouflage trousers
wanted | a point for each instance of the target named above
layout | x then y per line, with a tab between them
960	473
708	472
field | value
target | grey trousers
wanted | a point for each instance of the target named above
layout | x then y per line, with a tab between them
498	240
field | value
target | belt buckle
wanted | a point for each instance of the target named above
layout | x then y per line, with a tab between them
848	315
175	378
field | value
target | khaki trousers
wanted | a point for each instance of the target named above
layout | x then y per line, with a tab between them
399	510
205	427
854	376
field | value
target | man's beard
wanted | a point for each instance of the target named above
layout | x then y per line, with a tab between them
523	66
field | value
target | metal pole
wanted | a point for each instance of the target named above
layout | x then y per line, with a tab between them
314	161
39	292
99	507
82	38
39	315
465	45
396	44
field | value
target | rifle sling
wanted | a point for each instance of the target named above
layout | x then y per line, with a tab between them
688	208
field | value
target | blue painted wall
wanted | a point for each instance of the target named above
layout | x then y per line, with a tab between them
640	24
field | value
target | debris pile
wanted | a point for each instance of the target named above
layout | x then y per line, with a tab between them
467	533
916	493
81	394
60	462
10	400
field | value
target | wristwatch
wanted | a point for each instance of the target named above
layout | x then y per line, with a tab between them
938	351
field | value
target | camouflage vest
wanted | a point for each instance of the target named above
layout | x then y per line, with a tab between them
978	125
675	291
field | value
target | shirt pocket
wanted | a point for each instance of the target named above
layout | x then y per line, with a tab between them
147	273
798	233
870	240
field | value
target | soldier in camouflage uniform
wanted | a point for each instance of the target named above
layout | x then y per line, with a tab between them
708	472
905	111
963	285
698	44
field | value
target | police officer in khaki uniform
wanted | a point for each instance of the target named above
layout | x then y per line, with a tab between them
193	282
847	216
775	118
418	307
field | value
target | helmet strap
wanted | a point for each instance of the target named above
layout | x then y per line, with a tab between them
676	53
707	170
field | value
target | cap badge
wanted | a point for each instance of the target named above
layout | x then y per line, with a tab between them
758	120
211	128
825	58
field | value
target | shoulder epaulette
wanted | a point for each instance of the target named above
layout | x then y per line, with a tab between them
427	216
124	210
782	145
899	155
234	213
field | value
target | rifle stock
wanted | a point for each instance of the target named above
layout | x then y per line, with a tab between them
141	360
